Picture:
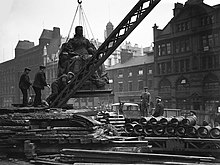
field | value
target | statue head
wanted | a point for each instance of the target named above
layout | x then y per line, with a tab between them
79	31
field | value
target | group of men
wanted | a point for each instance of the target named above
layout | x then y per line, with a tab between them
146	105
39	84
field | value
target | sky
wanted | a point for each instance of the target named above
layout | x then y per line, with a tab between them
26	19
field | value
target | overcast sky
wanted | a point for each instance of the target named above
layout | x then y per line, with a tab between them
25	19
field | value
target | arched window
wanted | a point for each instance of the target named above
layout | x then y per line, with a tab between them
182	85
165	86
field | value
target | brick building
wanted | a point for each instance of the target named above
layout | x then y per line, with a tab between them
187	57
129	77
26	55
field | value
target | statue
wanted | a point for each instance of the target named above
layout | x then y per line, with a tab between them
75	53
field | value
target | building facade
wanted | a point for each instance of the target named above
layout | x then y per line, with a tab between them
187	57
129	77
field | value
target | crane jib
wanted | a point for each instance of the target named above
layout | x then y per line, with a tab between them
118	35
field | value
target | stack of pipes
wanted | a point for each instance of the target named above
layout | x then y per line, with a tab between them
178	126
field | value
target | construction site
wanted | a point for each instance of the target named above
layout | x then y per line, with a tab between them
57	134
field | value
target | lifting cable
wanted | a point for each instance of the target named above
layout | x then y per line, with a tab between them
82	20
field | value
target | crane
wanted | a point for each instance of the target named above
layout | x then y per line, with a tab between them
118	35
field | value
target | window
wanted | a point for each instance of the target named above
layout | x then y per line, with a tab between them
187	45
163	49
140	71
169	67
168	48
120	86
159	50
209	40
129	85
216	39
177	47
183	26
182	45
182	85
150	71
130	74
140	85
120	73
163	68
159	69
207	20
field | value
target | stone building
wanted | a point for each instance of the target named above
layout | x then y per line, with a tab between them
187	57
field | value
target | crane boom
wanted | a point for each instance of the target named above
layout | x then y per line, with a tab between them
118	35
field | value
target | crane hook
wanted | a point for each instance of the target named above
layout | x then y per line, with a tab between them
79	2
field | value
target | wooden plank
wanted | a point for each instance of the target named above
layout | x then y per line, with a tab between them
133	156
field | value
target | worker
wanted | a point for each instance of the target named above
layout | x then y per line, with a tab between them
145	101
24	85
159	107
56	87
39	84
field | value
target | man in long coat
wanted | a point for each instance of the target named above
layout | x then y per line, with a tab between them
145	101
38	85
24	85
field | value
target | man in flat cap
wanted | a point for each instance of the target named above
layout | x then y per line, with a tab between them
39	84
145	101
56	87
70	76
159	107
24	85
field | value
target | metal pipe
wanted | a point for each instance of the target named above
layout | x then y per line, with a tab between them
192	131
138	129
144	120
148	130
175	121
215	133
204	131
189	121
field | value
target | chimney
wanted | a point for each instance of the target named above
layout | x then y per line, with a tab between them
56	32
193	2
178	7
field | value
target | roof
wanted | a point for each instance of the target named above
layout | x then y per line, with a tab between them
47	34
134	61
125	104
24	44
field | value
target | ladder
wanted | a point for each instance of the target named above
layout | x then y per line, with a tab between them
118	35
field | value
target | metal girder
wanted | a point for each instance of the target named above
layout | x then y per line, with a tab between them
119	34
